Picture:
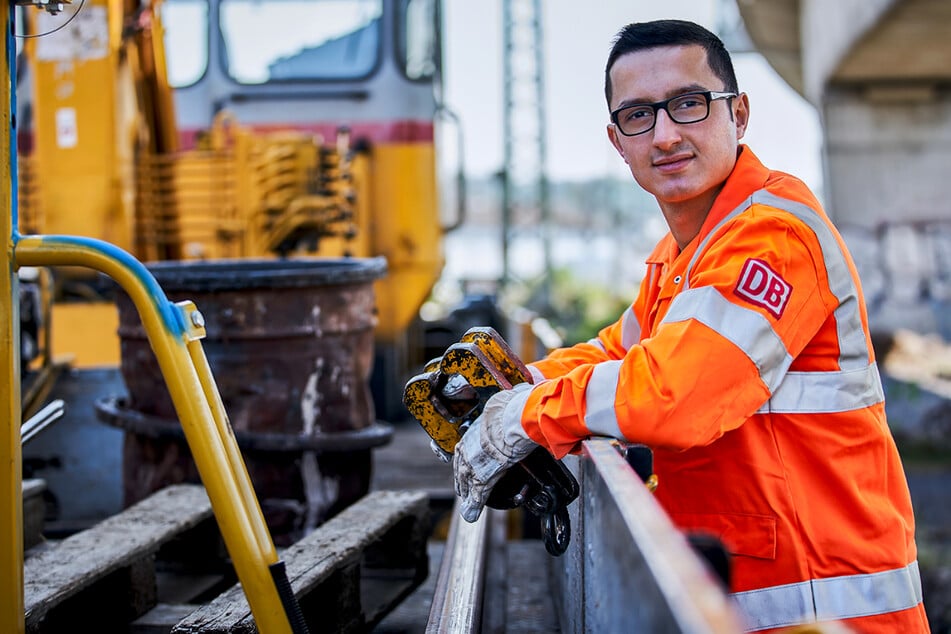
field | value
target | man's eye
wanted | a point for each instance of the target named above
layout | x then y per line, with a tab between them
633	114
688	103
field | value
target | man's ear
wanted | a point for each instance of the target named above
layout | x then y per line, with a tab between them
741	114
612	135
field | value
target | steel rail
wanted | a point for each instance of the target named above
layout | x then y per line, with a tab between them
631	569
627	567
460	585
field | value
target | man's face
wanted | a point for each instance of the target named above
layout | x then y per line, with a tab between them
680	164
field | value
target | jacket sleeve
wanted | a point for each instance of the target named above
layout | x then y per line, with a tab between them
711	362
612	342
608	345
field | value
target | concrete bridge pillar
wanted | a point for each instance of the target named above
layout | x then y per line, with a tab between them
879	73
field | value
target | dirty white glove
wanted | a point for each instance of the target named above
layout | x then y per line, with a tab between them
494	443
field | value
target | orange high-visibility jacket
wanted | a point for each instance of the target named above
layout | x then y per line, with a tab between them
746	365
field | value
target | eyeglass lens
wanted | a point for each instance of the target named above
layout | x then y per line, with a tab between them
688	108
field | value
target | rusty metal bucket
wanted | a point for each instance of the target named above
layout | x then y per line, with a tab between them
290	343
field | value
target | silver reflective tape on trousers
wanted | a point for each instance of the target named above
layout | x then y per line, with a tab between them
830	599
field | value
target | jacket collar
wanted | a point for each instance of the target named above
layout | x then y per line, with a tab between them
748	176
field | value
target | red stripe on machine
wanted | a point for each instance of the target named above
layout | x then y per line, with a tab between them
379	132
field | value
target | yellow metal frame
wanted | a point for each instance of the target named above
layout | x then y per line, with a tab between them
175	332
11	470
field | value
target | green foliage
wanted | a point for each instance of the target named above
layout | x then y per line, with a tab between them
575	307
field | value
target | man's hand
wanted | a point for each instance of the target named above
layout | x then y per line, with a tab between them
494	443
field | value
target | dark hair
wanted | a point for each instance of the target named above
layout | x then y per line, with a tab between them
644	35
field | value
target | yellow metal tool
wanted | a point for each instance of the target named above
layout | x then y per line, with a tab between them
451	393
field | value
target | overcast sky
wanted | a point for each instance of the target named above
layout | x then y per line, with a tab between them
784	129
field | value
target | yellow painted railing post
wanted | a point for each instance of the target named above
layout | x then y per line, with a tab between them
174	331
11	476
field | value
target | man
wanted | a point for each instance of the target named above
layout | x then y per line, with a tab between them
745	362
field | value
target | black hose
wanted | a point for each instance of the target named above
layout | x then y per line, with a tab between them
288	600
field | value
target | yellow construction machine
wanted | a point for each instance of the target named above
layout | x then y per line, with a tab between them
236	142
184	130
249	145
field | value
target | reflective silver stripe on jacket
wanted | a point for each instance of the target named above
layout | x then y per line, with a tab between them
748	329
630	332
594	341
537	375
630	329
826	392
830	599
855	386
853	348
600	417
751	332
791	392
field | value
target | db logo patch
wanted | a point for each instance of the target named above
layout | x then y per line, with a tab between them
762	286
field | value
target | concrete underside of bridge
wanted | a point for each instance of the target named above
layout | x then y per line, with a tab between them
879	74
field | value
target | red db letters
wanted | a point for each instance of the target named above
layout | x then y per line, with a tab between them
762	286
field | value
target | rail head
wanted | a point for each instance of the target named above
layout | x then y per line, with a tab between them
460	584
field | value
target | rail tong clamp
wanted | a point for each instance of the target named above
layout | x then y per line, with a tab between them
451	393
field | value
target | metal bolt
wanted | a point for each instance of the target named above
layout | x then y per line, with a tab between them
198	320
51	6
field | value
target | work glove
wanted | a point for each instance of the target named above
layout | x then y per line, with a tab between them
493	444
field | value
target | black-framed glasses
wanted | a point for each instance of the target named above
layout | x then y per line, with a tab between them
691	107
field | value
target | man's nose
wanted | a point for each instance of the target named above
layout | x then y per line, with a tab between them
666	131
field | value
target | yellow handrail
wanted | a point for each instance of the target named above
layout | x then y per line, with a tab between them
11	467
174	332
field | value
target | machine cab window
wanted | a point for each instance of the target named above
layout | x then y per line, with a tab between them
186	44
299	40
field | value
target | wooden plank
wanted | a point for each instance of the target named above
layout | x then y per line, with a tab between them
347	574
114	556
